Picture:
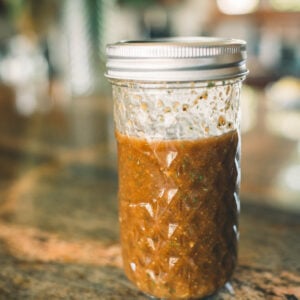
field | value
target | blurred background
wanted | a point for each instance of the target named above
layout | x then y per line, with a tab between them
55	100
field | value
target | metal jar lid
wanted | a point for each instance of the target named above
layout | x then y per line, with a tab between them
177	59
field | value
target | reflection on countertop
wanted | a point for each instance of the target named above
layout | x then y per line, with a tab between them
59	235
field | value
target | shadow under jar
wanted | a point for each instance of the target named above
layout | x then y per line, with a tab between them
177	120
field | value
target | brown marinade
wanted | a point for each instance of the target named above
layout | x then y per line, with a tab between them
179	213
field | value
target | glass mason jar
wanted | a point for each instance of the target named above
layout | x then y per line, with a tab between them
177	122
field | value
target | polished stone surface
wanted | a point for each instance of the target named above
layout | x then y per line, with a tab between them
59	235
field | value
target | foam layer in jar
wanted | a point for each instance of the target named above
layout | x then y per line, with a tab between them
176	111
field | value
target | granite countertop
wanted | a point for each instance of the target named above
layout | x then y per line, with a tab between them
59	235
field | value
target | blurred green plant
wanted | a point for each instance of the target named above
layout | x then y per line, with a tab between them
137	3
15	8
32	15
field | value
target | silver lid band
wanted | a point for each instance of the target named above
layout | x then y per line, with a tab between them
177	59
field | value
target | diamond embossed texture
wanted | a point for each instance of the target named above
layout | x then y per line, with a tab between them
178	190
179	222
